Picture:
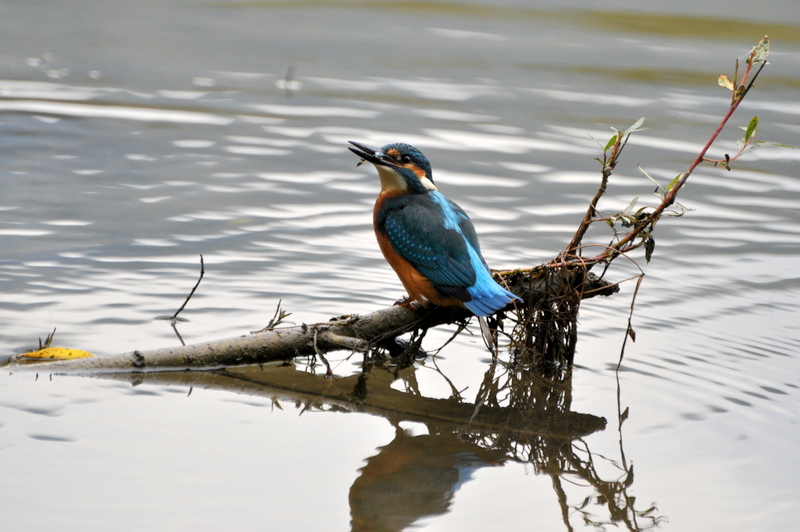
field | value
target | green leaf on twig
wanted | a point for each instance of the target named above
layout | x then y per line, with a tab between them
611	142
635	127
672	183
751	129
659	190
775	144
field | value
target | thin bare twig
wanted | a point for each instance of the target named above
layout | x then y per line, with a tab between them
277	319
202	273
619	141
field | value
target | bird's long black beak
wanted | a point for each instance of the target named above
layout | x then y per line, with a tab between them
372	155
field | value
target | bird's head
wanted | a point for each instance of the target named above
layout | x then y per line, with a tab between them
401	167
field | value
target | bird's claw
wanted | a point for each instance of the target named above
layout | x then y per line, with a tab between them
407	303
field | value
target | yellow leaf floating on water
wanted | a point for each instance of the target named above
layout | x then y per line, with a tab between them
58	353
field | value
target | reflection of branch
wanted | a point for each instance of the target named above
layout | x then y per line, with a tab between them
517	416
372	393
613	493
560	459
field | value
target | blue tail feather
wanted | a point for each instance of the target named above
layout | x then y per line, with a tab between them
488	297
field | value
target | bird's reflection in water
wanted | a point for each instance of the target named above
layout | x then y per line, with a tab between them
520	417
413	477
516	416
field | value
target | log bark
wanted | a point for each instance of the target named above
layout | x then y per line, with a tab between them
350	332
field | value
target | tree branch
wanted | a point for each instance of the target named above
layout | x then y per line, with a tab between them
351	332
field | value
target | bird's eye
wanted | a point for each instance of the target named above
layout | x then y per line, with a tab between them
405	159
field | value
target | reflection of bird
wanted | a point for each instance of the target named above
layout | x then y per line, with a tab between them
414	477
427	239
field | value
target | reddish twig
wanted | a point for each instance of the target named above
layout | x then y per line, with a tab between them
757	55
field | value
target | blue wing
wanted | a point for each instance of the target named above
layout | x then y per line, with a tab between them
417	231
436	236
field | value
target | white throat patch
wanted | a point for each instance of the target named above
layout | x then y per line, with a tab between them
427	183
391	180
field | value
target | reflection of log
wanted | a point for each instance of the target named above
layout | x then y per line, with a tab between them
352	332
414	476
372	393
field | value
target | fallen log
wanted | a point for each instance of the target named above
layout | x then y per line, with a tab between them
350	333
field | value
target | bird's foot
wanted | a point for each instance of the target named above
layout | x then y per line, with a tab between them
408	303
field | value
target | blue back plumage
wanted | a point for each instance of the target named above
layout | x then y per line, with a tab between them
437	237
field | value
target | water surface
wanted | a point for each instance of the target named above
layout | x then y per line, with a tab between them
136	136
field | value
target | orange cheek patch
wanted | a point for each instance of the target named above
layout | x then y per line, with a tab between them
419	172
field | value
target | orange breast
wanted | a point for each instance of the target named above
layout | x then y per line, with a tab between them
418	286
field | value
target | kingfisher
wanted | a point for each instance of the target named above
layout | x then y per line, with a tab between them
428	240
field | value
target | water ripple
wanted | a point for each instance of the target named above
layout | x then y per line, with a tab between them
113	111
